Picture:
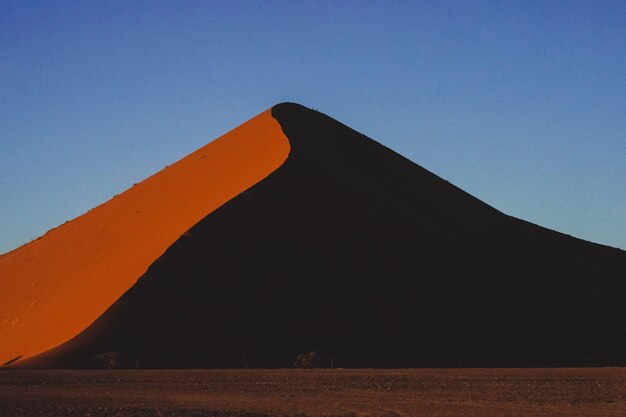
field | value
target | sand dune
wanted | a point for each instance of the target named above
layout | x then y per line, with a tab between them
346	248
54	287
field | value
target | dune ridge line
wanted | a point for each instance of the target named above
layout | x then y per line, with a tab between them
57	285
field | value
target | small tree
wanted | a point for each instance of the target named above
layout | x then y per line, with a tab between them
305	360
332	359
246	359
109	360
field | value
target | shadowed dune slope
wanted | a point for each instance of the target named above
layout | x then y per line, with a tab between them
54	287
355	252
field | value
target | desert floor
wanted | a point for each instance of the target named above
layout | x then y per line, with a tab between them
420	392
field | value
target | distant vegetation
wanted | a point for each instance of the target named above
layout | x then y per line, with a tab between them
109	360
315	360
306	360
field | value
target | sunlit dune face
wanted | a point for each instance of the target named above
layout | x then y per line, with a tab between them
56	286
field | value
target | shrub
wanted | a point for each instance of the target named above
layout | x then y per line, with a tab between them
109	360
305	360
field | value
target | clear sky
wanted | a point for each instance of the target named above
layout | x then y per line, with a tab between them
522	104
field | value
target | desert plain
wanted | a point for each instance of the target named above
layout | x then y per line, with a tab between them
316	392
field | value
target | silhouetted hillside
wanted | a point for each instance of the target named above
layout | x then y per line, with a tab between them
351	250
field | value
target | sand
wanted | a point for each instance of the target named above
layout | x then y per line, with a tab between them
389	393
346	248
54	287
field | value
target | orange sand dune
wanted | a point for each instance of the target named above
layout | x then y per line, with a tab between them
54	287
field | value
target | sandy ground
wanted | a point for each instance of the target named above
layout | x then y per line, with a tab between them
453	392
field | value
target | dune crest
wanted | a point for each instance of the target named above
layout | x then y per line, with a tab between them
54	287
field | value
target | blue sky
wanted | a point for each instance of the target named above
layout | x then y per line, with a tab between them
522	104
